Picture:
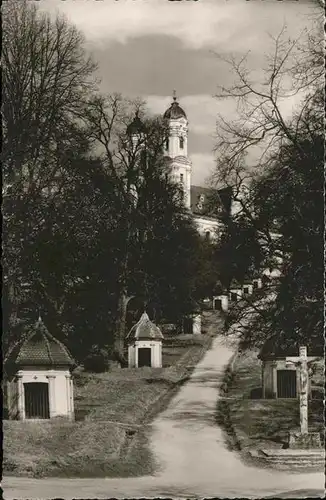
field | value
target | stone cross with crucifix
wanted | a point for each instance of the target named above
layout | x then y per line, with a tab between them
303	366
304	439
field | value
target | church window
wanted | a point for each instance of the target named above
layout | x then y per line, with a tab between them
181	178
167	143
207	235
181	142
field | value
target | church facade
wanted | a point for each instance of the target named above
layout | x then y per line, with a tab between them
206	205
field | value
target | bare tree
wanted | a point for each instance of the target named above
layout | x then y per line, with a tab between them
277	128
46	78
293	74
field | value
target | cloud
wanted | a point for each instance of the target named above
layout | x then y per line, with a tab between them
146	48
202	167
209	23
196	24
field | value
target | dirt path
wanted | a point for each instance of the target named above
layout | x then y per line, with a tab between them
191	450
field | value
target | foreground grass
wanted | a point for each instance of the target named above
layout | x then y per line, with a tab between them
259	423
108	437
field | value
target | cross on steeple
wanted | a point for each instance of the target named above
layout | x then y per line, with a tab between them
174	95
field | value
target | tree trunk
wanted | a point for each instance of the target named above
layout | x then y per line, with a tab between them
120	332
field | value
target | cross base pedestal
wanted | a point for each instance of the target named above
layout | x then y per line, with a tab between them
300	441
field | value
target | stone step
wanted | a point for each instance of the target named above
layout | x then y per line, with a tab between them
306	463
294	460
296	467
289	453
291	459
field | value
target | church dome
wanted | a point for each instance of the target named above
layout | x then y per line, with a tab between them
175	111
136	126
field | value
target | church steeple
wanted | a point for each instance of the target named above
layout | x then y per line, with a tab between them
177	146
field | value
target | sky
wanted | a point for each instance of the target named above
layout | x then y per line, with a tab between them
148	48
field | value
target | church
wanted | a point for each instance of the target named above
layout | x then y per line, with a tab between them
207	206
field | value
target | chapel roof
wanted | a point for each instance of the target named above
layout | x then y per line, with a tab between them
145	329
39	347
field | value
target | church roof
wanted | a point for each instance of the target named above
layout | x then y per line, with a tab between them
209	202
145	329
39	347
174	111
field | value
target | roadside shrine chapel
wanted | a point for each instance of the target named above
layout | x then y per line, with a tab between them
38	377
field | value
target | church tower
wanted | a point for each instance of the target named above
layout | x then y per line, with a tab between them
176	147
136	131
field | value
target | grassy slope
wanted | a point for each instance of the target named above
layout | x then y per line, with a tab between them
261	422
93	446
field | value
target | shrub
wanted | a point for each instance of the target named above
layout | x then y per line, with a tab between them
317	393
98	360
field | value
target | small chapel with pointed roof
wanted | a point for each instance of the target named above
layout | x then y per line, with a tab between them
38	372
145	344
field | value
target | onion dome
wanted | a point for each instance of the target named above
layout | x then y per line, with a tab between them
175	111
40	348
145	329
136	126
